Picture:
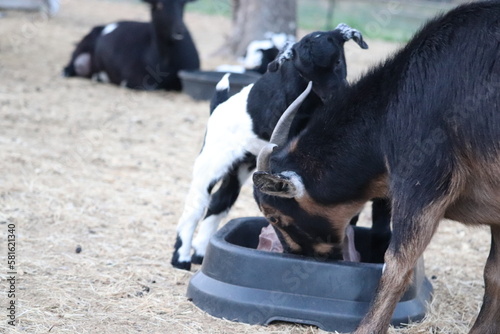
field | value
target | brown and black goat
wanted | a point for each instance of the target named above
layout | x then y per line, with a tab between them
421	129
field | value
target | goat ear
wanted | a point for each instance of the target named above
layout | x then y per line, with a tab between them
285	54
351	33
286	184
273	66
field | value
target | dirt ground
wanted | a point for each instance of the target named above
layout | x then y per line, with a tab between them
104	168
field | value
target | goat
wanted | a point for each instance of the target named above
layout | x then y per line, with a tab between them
259	54
138	55
422	129
237	130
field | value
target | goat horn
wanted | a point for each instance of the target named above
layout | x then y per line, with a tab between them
264	156
281	131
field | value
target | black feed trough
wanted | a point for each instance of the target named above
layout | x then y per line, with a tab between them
239	283
200	85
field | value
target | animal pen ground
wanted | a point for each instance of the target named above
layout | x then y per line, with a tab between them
105	169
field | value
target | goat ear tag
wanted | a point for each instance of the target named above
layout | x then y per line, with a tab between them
274	185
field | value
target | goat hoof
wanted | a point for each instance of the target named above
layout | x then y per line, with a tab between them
186	265
196	259
181	265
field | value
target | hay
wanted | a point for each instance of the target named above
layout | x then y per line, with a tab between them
106	169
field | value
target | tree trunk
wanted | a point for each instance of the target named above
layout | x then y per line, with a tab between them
253	18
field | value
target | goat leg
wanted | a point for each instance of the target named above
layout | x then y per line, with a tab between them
410	238
196	202
381	229
220	204
211	165
488	320
195	205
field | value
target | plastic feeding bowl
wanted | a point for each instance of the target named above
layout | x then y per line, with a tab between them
239	283
200	85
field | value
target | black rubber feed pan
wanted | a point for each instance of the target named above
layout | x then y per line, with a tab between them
200	85
239	283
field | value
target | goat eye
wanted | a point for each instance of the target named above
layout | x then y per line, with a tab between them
273	220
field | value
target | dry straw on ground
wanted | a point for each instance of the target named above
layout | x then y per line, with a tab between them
104	169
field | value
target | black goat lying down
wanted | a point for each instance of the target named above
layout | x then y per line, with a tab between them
423	130
138	55
239	127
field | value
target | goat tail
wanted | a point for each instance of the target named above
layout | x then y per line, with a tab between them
221	92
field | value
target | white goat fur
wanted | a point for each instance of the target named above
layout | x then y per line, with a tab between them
229	136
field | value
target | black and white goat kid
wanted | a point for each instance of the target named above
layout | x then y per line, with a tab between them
138	55
238	129
260	53
423	130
